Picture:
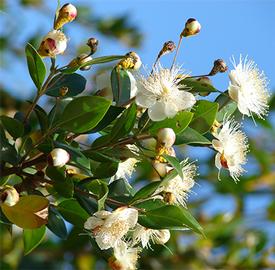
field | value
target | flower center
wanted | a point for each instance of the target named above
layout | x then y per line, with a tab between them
223	161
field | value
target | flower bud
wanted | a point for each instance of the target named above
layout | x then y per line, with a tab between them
219	66
166	137
82	59
130	61
9	196
93	44
58	157
63	91
65	14
163	237
168	47
192	27
161	168
55	42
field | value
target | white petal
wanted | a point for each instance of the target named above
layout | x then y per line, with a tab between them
184	100
145	99
92	222
171	109
218	161
217	145
233	92
157	111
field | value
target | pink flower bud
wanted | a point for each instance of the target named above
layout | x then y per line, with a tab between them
65	14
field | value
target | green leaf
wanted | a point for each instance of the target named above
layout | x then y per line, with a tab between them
121	85
226	107
169	217
37	68
173	161
108	118
33	208
204	115
83	113
75	84
198	86
72	211
177	123
121	189
32	238
150	204
56	223
191	136
100	189
64	186
13	126
106	169
124	123
42	118
95	61
146	191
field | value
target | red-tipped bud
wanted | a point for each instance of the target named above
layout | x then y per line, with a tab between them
65	14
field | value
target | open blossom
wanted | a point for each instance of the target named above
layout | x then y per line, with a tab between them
144	235
160	93
177	189
104	87
232	147
125	257
109	228
248	87
55	42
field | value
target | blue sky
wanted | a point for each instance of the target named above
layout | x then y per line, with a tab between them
228	28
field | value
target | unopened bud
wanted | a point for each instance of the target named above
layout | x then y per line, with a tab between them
58	157
65	14
163	237
192	27
82	59
219	66
168	47
166	137
55	42
93	44
130	61
63	91
9	196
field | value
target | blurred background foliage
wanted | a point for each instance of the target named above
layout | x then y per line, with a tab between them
238	218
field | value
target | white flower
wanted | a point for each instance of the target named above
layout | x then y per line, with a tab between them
177	189
55	42
103	84
144	235
125	257
232	147
59	157
108	228
126	168
248	87
160	93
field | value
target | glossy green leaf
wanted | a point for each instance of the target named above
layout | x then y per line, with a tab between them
75	84
100	189
64	186
33	208
13	126
83	113
32	238
149	205
124	123
198	86
177	123
56	223
42	118
37	68
72	211
146	191
169	217
204	115
106	169
108	118
191	136
173	161
121	85
226	106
